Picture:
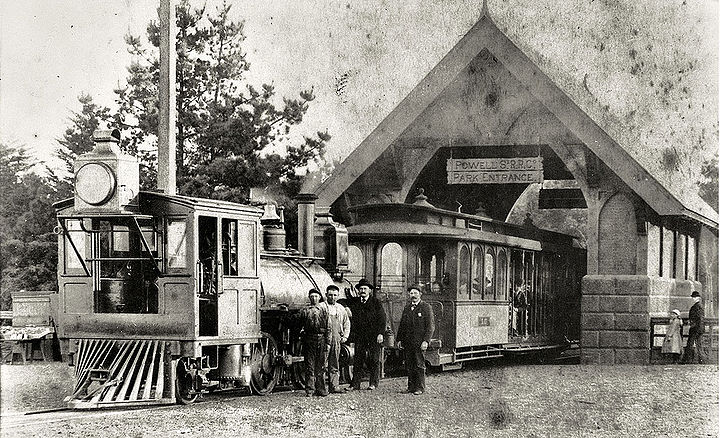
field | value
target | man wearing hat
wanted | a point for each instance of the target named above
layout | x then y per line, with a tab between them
316	341
417	325
697	328
368	327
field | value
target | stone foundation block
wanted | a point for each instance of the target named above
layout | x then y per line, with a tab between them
638	339
632	285
598	284
614	304
635	356
632	321
589	339
597	356
589	303
639	304
612	339
598	321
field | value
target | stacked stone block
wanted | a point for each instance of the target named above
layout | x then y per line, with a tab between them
616	312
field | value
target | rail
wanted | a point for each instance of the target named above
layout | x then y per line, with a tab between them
658	327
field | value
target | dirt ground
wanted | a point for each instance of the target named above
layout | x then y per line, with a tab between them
499	400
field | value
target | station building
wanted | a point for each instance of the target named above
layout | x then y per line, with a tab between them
649	244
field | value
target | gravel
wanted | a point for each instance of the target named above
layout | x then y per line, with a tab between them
490	399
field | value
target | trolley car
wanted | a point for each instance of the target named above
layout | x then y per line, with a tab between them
495	288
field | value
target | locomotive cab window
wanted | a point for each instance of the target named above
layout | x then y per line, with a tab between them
74	248
176	245
230	247
126	258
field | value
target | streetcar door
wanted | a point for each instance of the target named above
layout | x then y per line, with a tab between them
238	302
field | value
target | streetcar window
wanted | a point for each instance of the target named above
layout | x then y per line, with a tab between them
501	291
489	275
176	244
230	247
391	268
356	264
431	265
477	272
76	237
464	274
247	247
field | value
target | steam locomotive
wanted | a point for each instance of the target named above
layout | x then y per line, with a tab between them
162	297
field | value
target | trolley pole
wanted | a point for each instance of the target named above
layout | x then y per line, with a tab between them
168	112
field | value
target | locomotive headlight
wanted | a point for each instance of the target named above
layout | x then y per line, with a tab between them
95	183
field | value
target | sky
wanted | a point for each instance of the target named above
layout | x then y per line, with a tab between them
52	51
363	57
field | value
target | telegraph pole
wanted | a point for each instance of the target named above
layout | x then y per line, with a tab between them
168	111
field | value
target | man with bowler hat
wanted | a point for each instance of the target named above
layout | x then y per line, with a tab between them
417	325
697	328
368	327
316	341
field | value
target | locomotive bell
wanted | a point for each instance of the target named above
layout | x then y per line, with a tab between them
106	180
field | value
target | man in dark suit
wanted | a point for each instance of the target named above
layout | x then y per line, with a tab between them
695	334
416	328
368	327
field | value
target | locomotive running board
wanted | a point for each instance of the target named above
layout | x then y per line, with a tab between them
112	373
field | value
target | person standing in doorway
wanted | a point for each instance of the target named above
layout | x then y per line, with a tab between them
368	327
316	341
417	325
339	330
520	303
696	318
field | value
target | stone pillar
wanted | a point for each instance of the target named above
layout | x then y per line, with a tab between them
625	291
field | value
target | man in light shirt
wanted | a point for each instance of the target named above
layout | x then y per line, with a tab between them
339	330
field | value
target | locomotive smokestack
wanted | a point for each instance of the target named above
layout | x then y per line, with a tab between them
167	117
306	222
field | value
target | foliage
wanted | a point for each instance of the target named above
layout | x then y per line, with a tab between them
28	247
230	135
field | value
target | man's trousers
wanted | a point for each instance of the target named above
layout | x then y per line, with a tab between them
415	367
367	358
695	350
333	366
315	364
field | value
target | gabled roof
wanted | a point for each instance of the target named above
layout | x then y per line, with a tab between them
486	35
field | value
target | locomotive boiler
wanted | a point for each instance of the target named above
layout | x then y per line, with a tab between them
162	297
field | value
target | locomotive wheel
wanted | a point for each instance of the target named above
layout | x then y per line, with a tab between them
185	394
264	368
347	353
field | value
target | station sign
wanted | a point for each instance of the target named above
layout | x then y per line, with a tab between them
520	170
